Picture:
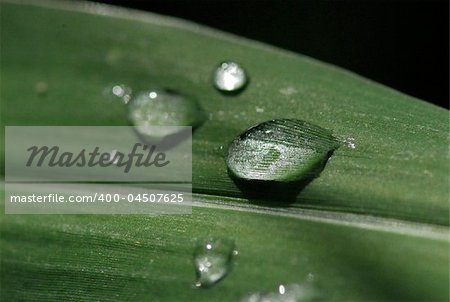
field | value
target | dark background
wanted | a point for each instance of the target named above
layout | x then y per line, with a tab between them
403	44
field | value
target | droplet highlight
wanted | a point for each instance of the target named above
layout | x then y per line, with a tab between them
277	152
286	293
213	259
230	77
160	107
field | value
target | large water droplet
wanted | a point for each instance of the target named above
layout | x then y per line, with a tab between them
158	107
213	261
279	152
286	293
230	77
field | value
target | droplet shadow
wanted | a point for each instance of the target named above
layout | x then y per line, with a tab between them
276	193
236	92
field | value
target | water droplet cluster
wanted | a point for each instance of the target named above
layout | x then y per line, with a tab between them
275	151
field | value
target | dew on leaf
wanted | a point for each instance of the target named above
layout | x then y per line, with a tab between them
350	142
120	92
152	111
230	77
278	152
213	259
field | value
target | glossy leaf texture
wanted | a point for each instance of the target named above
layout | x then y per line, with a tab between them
372	226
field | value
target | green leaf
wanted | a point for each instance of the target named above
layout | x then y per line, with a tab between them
373	226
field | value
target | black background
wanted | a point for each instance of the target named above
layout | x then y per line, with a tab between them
403	44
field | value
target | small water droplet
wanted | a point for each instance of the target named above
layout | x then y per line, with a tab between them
286	293
159	107
350	142
310	277
230	77
119	92
213	261
41	88
221	151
